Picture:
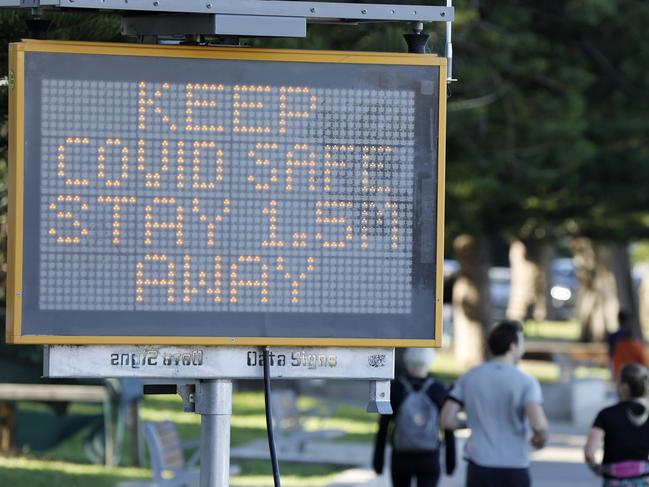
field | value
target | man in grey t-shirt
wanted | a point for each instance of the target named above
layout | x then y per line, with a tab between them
499	400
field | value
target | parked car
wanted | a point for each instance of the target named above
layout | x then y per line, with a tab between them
562	293
499	286
564	287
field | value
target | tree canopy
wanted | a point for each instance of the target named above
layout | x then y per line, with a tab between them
547	128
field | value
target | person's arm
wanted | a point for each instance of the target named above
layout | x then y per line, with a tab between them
449	451
593	442
379	443
439	395
538	423
396	396
449	419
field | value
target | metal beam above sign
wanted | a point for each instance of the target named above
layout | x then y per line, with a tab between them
313	11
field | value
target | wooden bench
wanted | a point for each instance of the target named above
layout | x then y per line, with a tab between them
289	422
167	453
168	456
568	355
10	394
300	435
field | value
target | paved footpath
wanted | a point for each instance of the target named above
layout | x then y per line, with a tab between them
559	464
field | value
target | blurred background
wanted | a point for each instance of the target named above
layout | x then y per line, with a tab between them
547	180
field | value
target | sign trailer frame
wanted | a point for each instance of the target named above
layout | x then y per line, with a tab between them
209	396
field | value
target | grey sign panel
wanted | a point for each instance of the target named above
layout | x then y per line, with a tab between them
230	198
221	24
168	362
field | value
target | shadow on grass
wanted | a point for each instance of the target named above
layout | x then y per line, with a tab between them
262	467
39	473
248	418
259	473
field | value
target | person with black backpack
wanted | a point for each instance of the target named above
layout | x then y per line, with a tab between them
416	400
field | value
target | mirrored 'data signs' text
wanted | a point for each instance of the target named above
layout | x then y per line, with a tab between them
180	190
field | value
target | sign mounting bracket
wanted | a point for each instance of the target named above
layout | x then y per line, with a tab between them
247	18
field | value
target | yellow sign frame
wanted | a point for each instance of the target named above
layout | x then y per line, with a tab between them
14	332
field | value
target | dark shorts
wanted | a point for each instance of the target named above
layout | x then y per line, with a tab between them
477	476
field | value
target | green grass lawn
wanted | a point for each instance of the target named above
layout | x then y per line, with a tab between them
448	370
66	465
552	330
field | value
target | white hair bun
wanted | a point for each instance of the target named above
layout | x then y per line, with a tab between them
418	361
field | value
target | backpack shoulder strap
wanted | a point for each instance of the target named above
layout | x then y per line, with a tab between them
406	385
427	383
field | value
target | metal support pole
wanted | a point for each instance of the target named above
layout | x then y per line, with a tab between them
449	47
214	404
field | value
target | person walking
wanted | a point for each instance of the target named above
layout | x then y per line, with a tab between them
500	402
624	430
625	346
416	400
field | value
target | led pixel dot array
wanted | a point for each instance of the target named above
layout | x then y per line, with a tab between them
166	196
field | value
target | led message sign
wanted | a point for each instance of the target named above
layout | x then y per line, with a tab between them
204	195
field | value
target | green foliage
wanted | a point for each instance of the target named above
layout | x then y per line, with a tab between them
612	199
547	127
640	252
517	121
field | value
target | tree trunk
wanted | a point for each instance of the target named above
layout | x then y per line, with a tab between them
521	291
644	304
597	302
471	304
529	297
626	293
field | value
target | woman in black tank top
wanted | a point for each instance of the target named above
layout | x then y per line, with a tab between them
624	429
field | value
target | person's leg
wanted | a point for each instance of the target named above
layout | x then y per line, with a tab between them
400	472
428	479
400	478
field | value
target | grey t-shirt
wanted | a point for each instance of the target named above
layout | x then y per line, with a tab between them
493	396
